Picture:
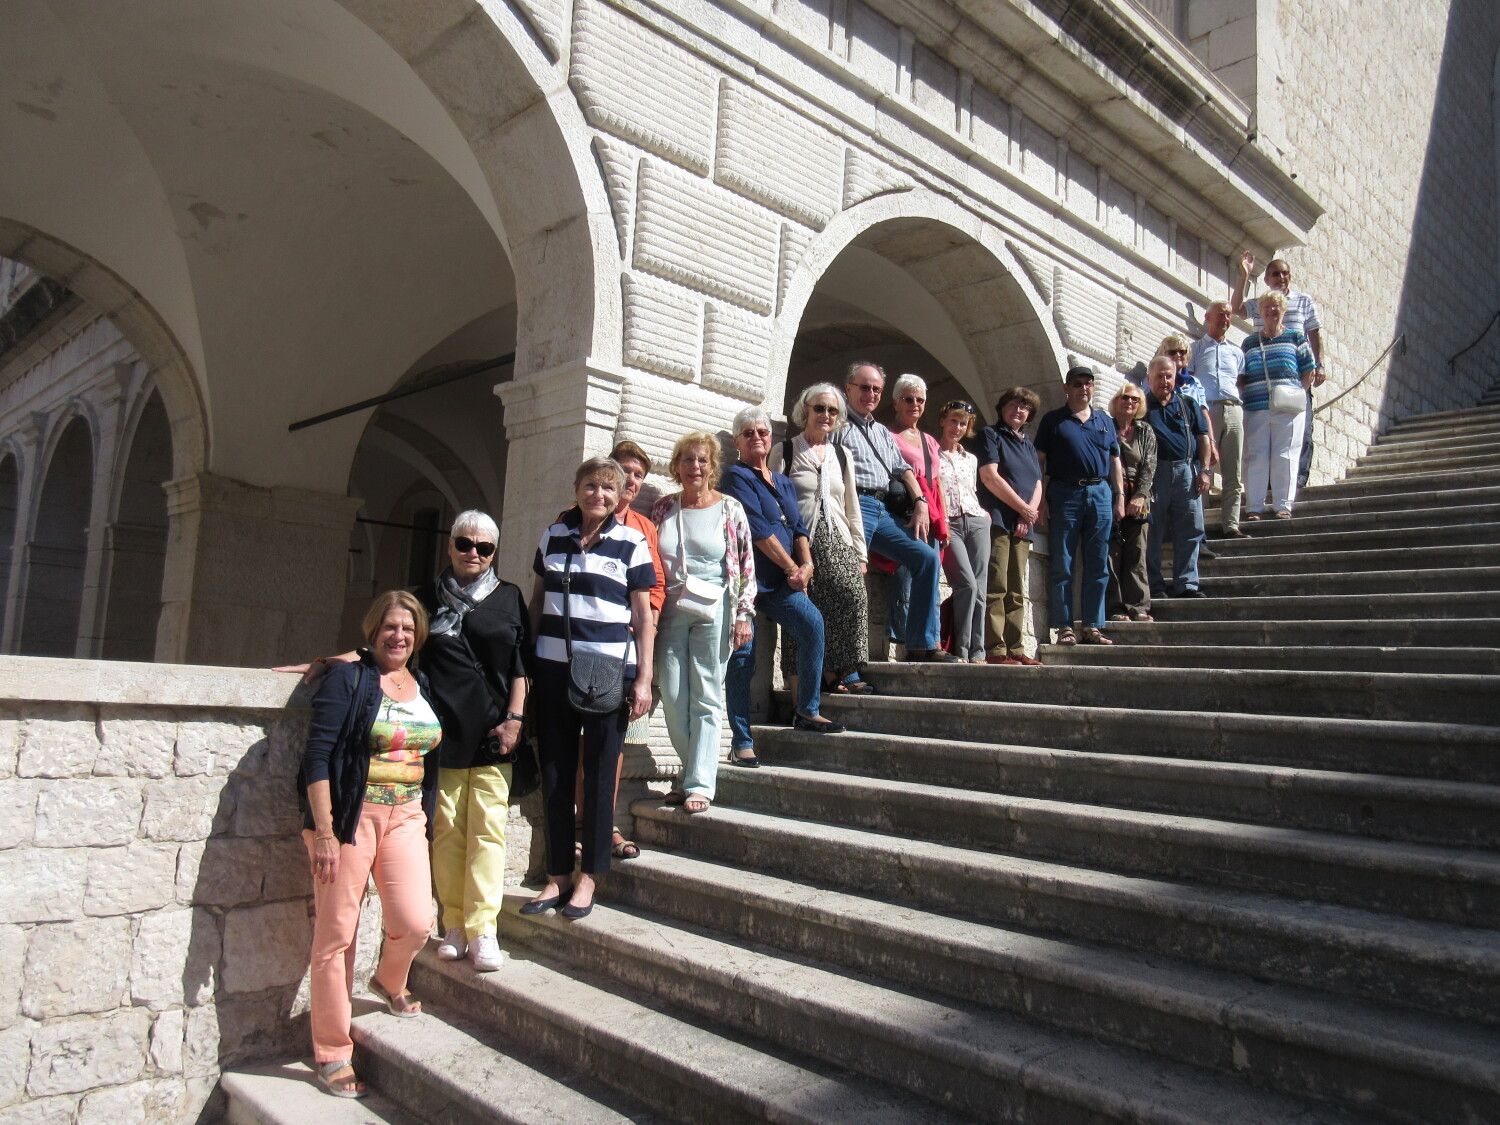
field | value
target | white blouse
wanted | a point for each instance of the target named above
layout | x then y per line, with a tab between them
958	474
823	490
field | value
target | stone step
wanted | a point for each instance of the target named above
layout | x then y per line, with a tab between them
1279	537
1329	607
1419	810
1359	560
1451	970
1449	751
289	1094
1303	658
977	1062
439	1067
1294	1040
1449	419
1439	884
1458	633
1377	696
1416	581
1390	484
677	1067
1306	522
1425	437
1445	505
1396	465
1437	444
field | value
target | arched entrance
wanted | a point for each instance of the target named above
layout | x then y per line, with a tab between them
137	540
59	547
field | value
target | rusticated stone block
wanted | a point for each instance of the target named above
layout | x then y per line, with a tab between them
794	243
139	1103
285	868
266	946
174	958
617	164
136	748
265	807
60	747
662	327
186	808
166	1040
866	177
219	872
69	1056
15	1060
777	157
701	236
76	967
19	795
10	745
87	813
131	879
216	748
239	1030
638	85
13	941
736	352
42	886
1085	315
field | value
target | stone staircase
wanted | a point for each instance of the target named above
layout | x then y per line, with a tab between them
1242	866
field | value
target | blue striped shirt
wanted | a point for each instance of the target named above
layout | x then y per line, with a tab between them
1283	360
597	583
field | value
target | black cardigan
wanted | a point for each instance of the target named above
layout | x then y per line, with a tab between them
338	745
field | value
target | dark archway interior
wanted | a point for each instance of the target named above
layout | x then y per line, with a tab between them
10	493
59	548
138	541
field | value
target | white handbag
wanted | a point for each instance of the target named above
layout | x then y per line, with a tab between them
697	599
1284	399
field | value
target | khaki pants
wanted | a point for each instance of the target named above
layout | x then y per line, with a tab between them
468	846
1229	432
1005	598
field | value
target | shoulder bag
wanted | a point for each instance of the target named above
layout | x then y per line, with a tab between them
697	599
1284	399
898	502
596	681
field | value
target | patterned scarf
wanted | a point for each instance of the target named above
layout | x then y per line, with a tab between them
458	600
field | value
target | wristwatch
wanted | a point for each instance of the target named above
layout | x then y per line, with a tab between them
516	715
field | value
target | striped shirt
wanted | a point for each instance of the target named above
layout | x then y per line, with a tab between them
1301	313
873	448
1282	360
597	583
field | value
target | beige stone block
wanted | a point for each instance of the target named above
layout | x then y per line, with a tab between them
265	807
13	940
69	1056
266	946
234	1030
285	868
45	1111
76	967
174	959
200	1040
10	745
61	747
166	1040
127	880
215	748
15	1059
139	1103
87	813
136	748
42	886
221	872
186	808
18	795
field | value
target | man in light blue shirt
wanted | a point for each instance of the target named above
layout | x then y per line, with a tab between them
1218	365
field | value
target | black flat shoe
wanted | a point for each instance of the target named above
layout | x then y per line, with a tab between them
827	726
576	912
930	656
742	758
542	905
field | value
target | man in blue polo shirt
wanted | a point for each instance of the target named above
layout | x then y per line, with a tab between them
1181	477
1080	456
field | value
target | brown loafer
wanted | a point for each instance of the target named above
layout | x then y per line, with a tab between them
1028	661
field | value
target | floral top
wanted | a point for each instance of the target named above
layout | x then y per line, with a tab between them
739	554
958	473
402	734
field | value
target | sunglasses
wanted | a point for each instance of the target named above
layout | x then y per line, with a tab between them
824	408
463	544
753	433
959	404
1278	273
913	400
1129	398
1177	351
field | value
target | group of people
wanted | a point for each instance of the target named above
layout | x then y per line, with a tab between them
407	771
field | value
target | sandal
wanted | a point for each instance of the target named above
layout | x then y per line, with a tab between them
1066	636
1253	517
696	803
1141	615
401	1004
1283	515
621	848
1119	617
338	1078
861	687
1092	636
674	797
838	687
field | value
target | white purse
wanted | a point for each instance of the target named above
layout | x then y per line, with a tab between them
1284	399
697	599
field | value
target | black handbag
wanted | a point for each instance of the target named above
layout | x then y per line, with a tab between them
596	682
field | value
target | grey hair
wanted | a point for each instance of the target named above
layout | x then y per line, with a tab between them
599	467
818	390
746	416
906	382
477	522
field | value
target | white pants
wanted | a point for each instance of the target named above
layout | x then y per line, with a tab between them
1273	443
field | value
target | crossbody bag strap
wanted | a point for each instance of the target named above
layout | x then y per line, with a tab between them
568	597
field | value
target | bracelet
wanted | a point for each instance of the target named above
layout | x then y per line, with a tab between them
326	836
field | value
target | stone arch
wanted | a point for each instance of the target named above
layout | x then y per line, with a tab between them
58	548
946	279
136	549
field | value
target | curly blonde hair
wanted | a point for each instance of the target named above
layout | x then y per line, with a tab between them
691	441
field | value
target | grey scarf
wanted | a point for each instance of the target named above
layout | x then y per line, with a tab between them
458	600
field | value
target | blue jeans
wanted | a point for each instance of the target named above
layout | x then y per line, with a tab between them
793	611
1304	459
1082	518
920	561
1177	512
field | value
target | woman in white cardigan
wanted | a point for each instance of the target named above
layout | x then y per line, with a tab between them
823	476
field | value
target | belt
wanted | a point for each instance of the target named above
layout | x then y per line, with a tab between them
1082	483
878	493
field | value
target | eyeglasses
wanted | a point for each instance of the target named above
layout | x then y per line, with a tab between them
1129	398
1278	273
959	404
913	400
824	408
871	388
463	545
752	432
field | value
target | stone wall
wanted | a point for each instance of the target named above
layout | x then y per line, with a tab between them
155	923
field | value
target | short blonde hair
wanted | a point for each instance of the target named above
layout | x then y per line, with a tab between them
1140	399
381	607
1275	296
692	441
1174	340
598	467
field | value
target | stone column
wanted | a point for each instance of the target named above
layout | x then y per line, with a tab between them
111	405
253	576
28	497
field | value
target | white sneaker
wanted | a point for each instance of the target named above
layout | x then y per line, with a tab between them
485	952
453	945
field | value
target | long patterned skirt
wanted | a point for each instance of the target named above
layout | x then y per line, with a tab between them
838	590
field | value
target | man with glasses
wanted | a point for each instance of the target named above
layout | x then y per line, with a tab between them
881	474
1301	316
1218	365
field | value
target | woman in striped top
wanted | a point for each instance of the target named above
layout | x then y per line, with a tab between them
1274	356
602	571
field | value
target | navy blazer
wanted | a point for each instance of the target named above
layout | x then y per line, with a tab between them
338	745
772	512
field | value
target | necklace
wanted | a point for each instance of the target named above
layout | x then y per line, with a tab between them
405	681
